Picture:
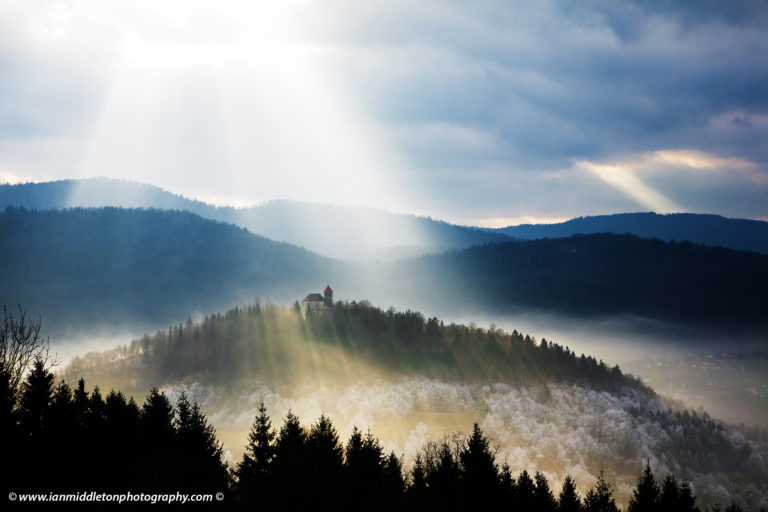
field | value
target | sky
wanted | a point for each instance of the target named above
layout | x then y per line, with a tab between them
484	113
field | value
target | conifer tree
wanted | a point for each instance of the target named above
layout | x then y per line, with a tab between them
122	423
158	447
444	477
254	471
353	450
36	396
393	476
200	455
524	491
81	401
645	498
506	484
569	500
687	501
364	467
479	472
35	442
291	469
326	458
66	437
418	476
670	495
600	498
543	498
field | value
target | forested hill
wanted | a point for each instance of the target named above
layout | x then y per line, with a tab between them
350	340
594	275
343	232
712	230
82	267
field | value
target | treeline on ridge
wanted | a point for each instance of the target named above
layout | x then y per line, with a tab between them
274	342
110	444
596	275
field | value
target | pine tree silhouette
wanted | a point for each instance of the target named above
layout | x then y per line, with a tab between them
507	485
543	498
122	426
326	460
199	455
600	498
525	491
479	472
569	500
394	485
645	498
35	441
36	395
158	447
669	499
291	468
687	501
443	479
254	471
363	468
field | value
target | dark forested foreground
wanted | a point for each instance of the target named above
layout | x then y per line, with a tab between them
110	444
272	342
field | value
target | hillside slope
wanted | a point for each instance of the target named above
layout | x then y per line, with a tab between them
596	275
117	266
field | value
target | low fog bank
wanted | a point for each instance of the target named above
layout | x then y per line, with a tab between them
65	349
722	372
557	428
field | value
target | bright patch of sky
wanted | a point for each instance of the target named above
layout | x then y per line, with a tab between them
485	112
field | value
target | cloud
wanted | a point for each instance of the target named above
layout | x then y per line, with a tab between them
469	109
622	177
674	180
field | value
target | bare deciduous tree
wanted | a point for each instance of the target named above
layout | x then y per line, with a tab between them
20	344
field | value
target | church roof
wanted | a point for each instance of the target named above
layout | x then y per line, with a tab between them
314	297
328	289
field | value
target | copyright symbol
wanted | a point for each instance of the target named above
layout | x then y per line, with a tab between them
219	496
12	496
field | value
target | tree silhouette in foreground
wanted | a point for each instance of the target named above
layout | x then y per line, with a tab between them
253	473
600	498
569	500
646	497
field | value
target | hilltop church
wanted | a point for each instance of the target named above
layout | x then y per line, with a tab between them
318	302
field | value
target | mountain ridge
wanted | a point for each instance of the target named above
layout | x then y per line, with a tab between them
158	267
709	229
350	233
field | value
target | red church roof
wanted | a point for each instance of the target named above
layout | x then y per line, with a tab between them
328	289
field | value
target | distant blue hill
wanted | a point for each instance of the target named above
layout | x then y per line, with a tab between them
712	230
349	233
